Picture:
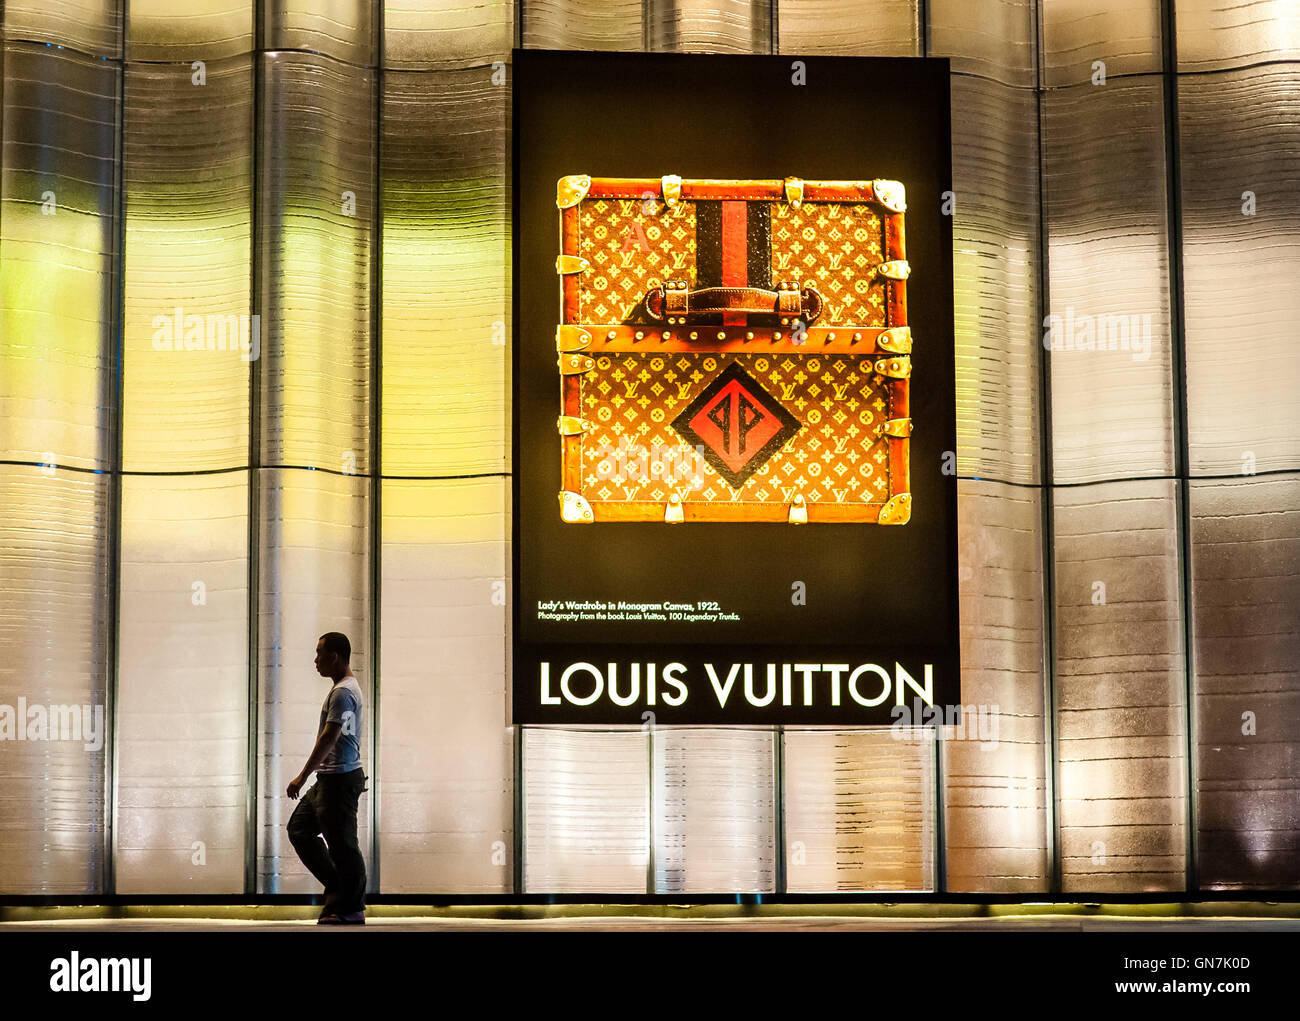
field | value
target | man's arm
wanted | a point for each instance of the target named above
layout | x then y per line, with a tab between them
325	741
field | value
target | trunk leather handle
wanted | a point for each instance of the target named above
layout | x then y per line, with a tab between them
673	303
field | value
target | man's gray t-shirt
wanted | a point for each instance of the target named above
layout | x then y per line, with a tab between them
343	706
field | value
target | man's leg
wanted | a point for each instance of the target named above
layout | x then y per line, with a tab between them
338	816
304	834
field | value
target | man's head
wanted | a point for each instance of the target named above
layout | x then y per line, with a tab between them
333	654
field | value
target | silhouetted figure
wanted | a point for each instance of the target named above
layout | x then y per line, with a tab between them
329	808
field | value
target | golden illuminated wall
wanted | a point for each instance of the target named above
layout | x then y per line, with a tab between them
324	195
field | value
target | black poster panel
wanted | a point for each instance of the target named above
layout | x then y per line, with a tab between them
720	608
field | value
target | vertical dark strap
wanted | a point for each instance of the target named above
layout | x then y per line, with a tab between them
760	245
708	244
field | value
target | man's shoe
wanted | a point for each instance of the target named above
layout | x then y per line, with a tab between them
348	918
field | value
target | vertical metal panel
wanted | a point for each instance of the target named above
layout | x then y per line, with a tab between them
708	26
53	626
587	811
1240	134
58	235
58	227
992	38
342	30
714	814
582	24
429	34
1214	35
995	785
187	174
445	274
859	810
316	201
206	30
860	28
92	26
188	181
1084	41
446	759
182	710
1120	688
1112	404
446	801
995	280
1245	593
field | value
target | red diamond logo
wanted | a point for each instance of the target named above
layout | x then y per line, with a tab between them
738	424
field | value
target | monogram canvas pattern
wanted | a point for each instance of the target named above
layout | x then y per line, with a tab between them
837	453
837	246
631	244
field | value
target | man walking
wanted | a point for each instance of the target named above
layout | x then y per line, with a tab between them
329	808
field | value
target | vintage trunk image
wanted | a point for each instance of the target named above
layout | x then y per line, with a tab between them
732	481
733	350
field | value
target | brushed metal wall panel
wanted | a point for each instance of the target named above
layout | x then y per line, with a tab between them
858	28
714	799
1112	377
582	24
586	810
995	765
991	38
445	274
422	35
1120	689
342	29
1245	594
93	27
58	236
1221	34
709	26
1122	36
54	619
314	577
859	810
995	279
188	176
206	30
445	757
317	211
182	690
1240	136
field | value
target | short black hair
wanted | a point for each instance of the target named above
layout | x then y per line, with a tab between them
337	641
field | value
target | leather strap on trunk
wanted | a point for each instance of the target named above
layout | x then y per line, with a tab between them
674	303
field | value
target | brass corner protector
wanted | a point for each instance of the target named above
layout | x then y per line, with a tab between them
895	368
571	338
898	511
890	194
571	264
574	509
897	340
575	365
571	190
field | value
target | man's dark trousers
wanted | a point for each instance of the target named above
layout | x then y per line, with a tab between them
329	809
